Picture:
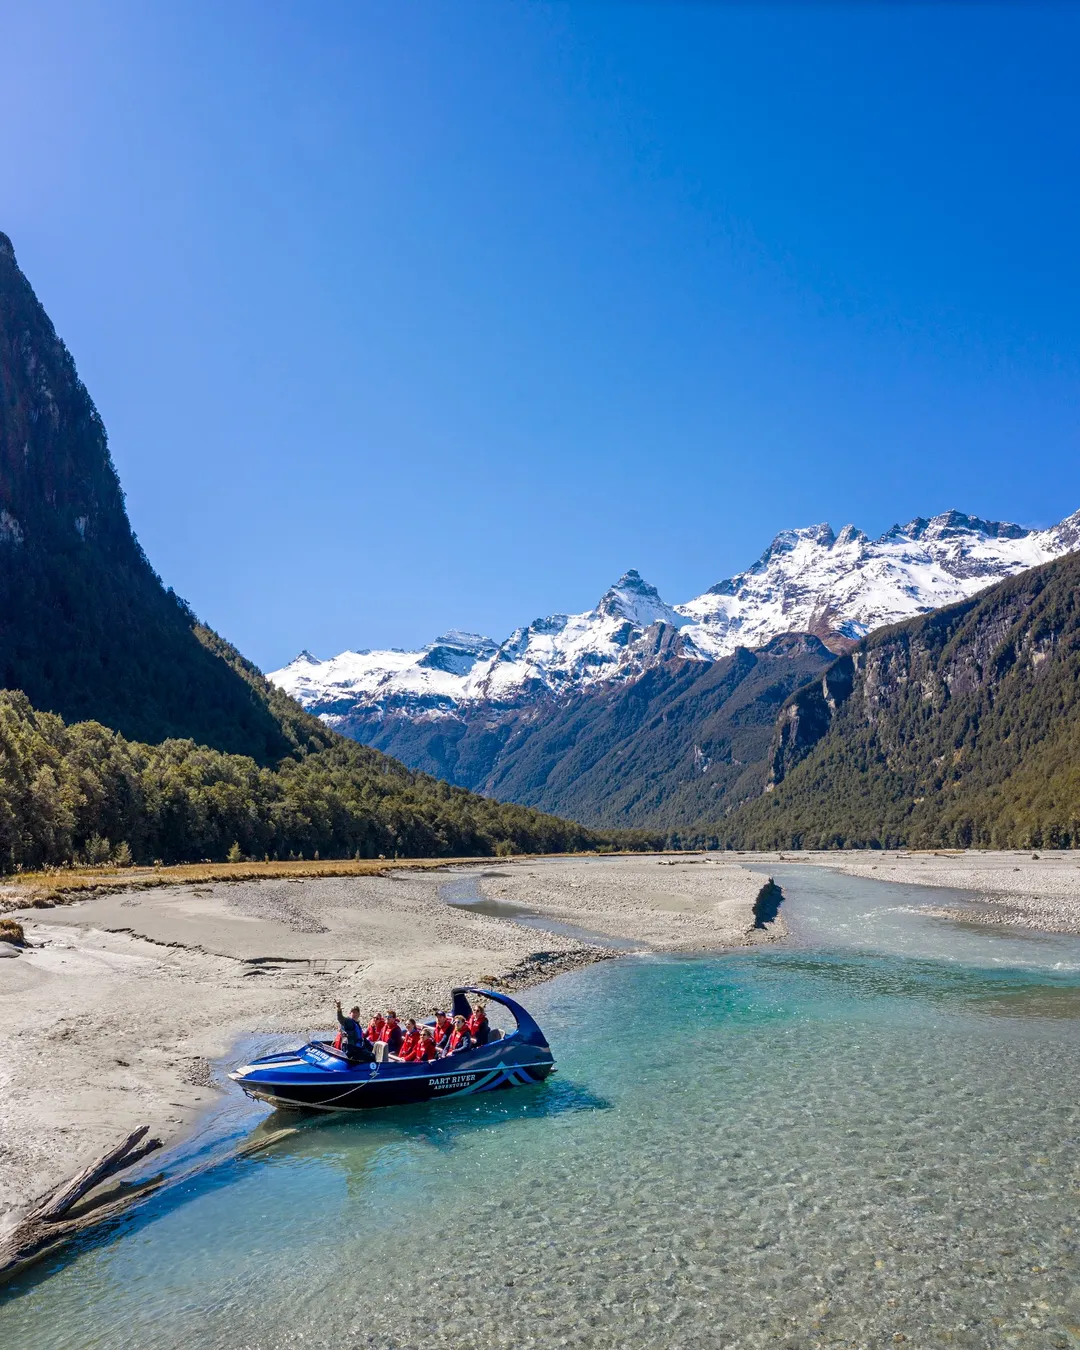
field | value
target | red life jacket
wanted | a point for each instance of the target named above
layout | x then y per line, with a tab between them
425	1050
441	1030
410	1043
387	1028
476	1021
339	1040
375	1031
456	1037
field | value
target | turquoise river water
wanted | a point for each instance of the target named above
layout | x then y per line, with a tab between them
865	1136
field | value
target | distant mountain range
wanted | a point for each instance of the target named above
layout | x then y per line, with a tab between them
839	587
637	712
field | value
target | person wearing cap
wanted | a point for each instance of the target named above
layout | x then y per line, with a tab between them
357	1046
442	1029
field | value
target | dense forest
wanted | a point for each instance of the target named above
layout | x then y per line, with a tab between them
85	793
960	728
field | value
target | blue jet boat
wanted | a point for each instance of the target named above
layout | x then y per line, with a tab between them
318	1077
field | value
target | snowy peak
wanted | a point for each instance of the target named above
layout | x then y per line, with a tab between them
789	541
954	525
564	651
843	586
475	643
637	602
1065	536
790	550
457	652
837	587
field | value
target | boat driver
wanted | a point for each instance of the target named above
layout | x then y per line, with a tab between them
357	1046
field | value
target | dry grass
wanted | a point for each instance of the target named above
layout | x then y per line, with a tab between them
59	886
64	885
12	931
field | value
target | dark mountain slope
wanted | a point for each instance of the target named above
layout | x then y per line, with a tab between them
677	743
959	728
86	627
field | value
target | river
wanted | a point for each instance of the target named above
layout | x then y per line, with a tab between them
864	1136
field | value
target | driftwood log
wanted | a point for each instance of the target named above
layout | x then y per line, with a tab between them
72	1210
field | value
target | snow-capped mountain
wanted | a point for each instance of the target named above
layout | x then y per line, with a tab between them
555	653
813	581
837	586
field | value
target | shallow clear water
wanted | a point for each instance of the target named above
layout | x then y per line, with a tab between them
867	1135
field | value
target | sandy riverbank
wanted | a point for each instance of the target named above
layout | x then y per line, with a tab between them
114	1016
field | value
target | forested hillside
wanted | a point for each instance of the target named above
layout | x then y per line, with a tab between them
84	793
960	728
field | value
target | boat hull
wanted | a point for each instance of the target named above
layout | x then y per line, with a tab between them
329	1083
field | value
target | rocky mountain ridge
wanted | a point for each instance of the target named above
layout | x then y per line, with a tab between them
838	587
87	629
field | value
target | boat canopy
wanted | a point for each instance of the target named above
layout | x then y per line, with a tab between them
527	1029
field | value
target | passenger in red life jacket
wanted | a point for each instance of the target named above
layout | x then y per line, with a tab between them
459	1038
374	1032
425	1049
442	1029
479	1027
392	1035
409	1042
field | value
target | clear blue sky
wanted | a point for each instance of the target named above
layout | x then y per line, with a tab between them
411	315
